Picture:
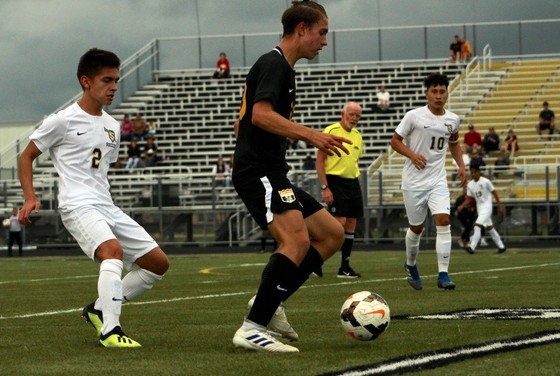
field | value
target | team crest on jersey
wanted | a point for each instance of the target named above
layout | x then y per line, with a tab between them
449	127
287	195
111	134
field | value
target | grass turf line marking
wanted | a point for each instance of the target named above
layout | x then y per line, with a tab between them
520	313
439	358
48	279
49	313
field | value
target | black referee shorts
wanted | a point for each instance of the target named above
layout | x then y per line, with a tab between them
347	194
273	193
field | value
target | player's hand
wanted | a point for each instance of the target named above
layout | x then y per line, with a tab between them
462	177
501	210
30	205
327	196
419	161
329	143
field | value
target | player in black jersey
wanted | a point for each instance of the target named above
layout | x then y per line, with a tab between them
306	233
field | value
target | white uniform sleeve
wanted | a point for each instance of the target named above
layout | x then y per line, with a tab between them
50	133
405	126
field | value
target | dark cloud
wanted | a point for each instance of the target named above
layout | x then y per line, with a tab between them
41	41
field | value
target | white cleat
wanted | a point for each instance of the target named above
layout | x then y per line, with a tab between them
260	340
279	325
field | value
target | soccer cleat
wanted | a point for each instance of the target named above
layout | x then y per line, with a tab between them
462	243
260	340
318	272
444	282
469	250
413	277
116	338
347	272
94	317
279	324
501	250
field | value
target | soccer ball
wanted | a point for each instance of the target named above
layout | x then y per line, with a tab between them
6	223
365	315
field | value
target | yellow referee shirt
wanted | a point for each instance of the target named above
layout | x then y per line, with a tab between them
345	166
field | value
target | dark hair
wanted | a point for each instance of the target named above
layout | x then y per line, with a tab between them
308	12
94	60
436	79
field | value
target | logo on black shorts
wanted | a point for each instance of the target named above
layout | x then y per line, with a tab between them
287	195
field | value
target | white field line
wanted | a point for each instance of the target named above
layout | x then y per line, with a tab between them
160	301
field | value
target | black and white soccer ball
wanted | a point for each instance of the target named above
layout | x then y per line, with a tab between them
6	223
365	315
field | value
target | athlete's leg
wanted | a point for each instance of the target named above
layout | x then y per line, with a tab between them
109	283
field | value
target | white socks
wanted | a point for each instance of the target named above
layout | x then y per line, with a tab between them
476	237
113	291
412	241
137	282
443	247
496	238
109	288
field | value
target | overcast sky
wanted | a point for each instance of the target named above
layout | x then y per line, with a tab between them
42	40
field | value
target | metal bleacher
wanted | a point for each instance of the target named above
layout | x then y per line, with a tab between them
195	115
507	95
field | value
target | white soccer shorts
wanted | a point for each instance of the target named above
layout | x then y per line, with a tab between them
484	218
92	226
417	203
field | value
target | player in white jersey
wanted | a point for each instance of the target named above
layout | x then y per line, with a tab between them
82	141
429	131
481	190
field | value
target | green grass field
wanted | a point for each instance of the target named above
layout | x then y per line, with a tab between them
187	321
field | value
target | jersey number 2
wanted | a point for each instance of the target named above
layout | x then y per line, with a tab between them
96	159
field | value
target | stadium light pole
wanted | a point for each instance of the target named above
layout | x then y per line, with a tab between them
199	36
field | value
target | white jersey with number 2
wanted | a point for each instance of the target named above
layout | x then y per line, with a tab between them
426	134
82	147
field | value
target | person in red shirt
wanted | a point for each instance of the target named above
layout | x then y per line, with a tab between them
222	66
472	137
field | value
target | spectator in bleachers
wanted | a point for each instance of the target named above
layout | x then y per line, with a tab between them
308	163
455	50
510	143
126	128
466	49
134	156
546	120
294	144
220	173
502	163
150	152
383	97
139	128
477	160
151	128
222	66
472	137
491	141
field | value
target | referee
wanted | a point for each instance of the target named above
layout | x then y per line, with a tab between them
340	185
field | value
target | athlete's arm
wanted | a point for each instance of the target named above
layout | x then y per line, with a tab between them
457	154
31	204
322	175
419	161
265	117
236	128
500	206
